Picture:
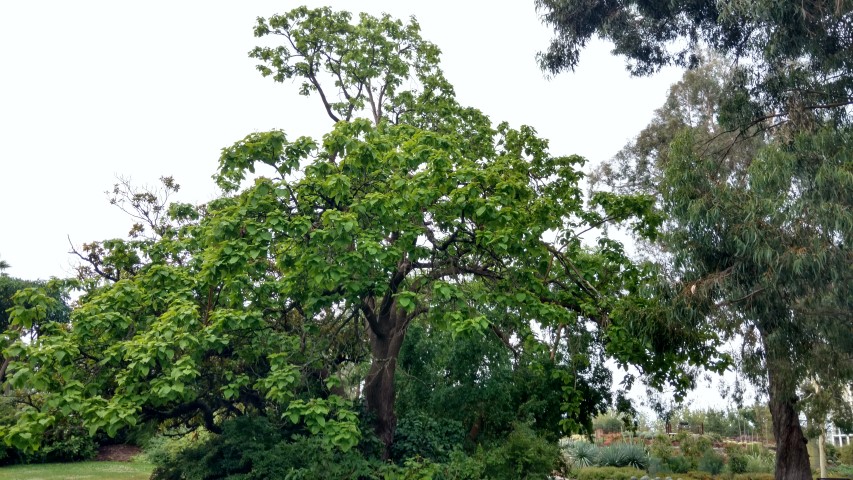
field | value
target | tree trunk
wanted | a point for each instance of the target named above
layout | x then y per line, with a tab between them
792	456
379	388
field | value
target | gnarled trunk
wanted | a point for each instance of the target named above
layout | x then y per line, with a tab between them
379	388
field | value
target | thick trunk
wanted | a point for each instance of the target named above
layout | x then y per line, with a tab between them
379	388
792	456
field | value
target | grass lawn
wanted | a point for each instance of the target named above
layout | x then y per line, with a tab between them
78	471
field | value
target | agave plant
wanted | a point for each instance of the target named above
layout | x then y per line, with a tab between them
582	454
624	455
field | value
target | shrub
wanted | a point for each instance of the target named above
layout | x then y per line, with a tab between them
760	463
661	447
523	454
737	463
164	448
608	422
694	447
428	437
711	462
64	442
754	476
460	467
252	448
656	466
607	473
845	454
679	464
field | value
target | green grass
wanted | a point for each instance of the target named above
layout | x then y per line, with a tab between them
78	471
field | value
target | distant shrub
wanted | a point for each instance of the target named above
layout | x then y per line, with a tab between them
831	452
711	462
760	463
679	464
607	473
661	447
656	466
845	454
608	423
738	463
754	476
694	446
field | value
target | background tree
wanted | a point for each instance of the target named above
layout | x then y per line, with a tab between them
757	240
791	60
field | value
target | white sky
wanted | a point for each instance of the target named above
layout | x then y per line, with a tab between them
90	91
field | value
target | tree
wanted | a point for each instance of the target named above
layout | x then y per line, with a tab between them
260	301
793	60
16	293
758	240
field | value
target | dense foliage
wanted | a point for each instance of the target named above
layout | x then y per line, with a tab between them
794	60
418	261
758	242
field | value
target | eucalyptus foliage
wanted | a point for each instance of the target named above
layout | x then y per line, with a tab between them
757	244
793	60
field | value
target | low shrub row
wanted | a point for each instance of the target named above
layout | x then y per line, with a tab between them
628	473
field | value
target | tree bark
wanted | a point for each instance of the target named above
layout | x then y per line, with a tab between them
792	456
379	386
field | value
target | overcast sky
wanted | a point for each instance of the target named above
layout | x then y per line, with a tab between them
90	91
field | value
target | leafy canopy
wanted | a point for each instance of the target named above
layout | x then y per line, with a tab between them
259	302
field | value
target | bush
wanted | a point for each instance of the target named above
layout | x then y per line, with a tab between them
711	462
460	467
694	447
754	476
845	454
252	448
63	442
738	463
656	466
608	422
523	454
831	453
661	447
607	473
679	464
165	448
760	463
428	437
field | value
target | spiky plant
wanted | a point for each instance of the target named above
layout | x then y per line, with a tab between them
581	454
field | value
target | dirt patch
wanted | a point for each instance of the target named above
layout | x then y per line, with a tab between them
117	453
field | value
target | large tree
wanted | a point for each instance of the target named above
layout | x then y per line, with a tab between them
757	239
791	59
412	208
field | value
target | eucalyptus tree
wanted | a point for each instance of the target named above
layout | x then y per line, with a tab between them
412	208
757	240
790	59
